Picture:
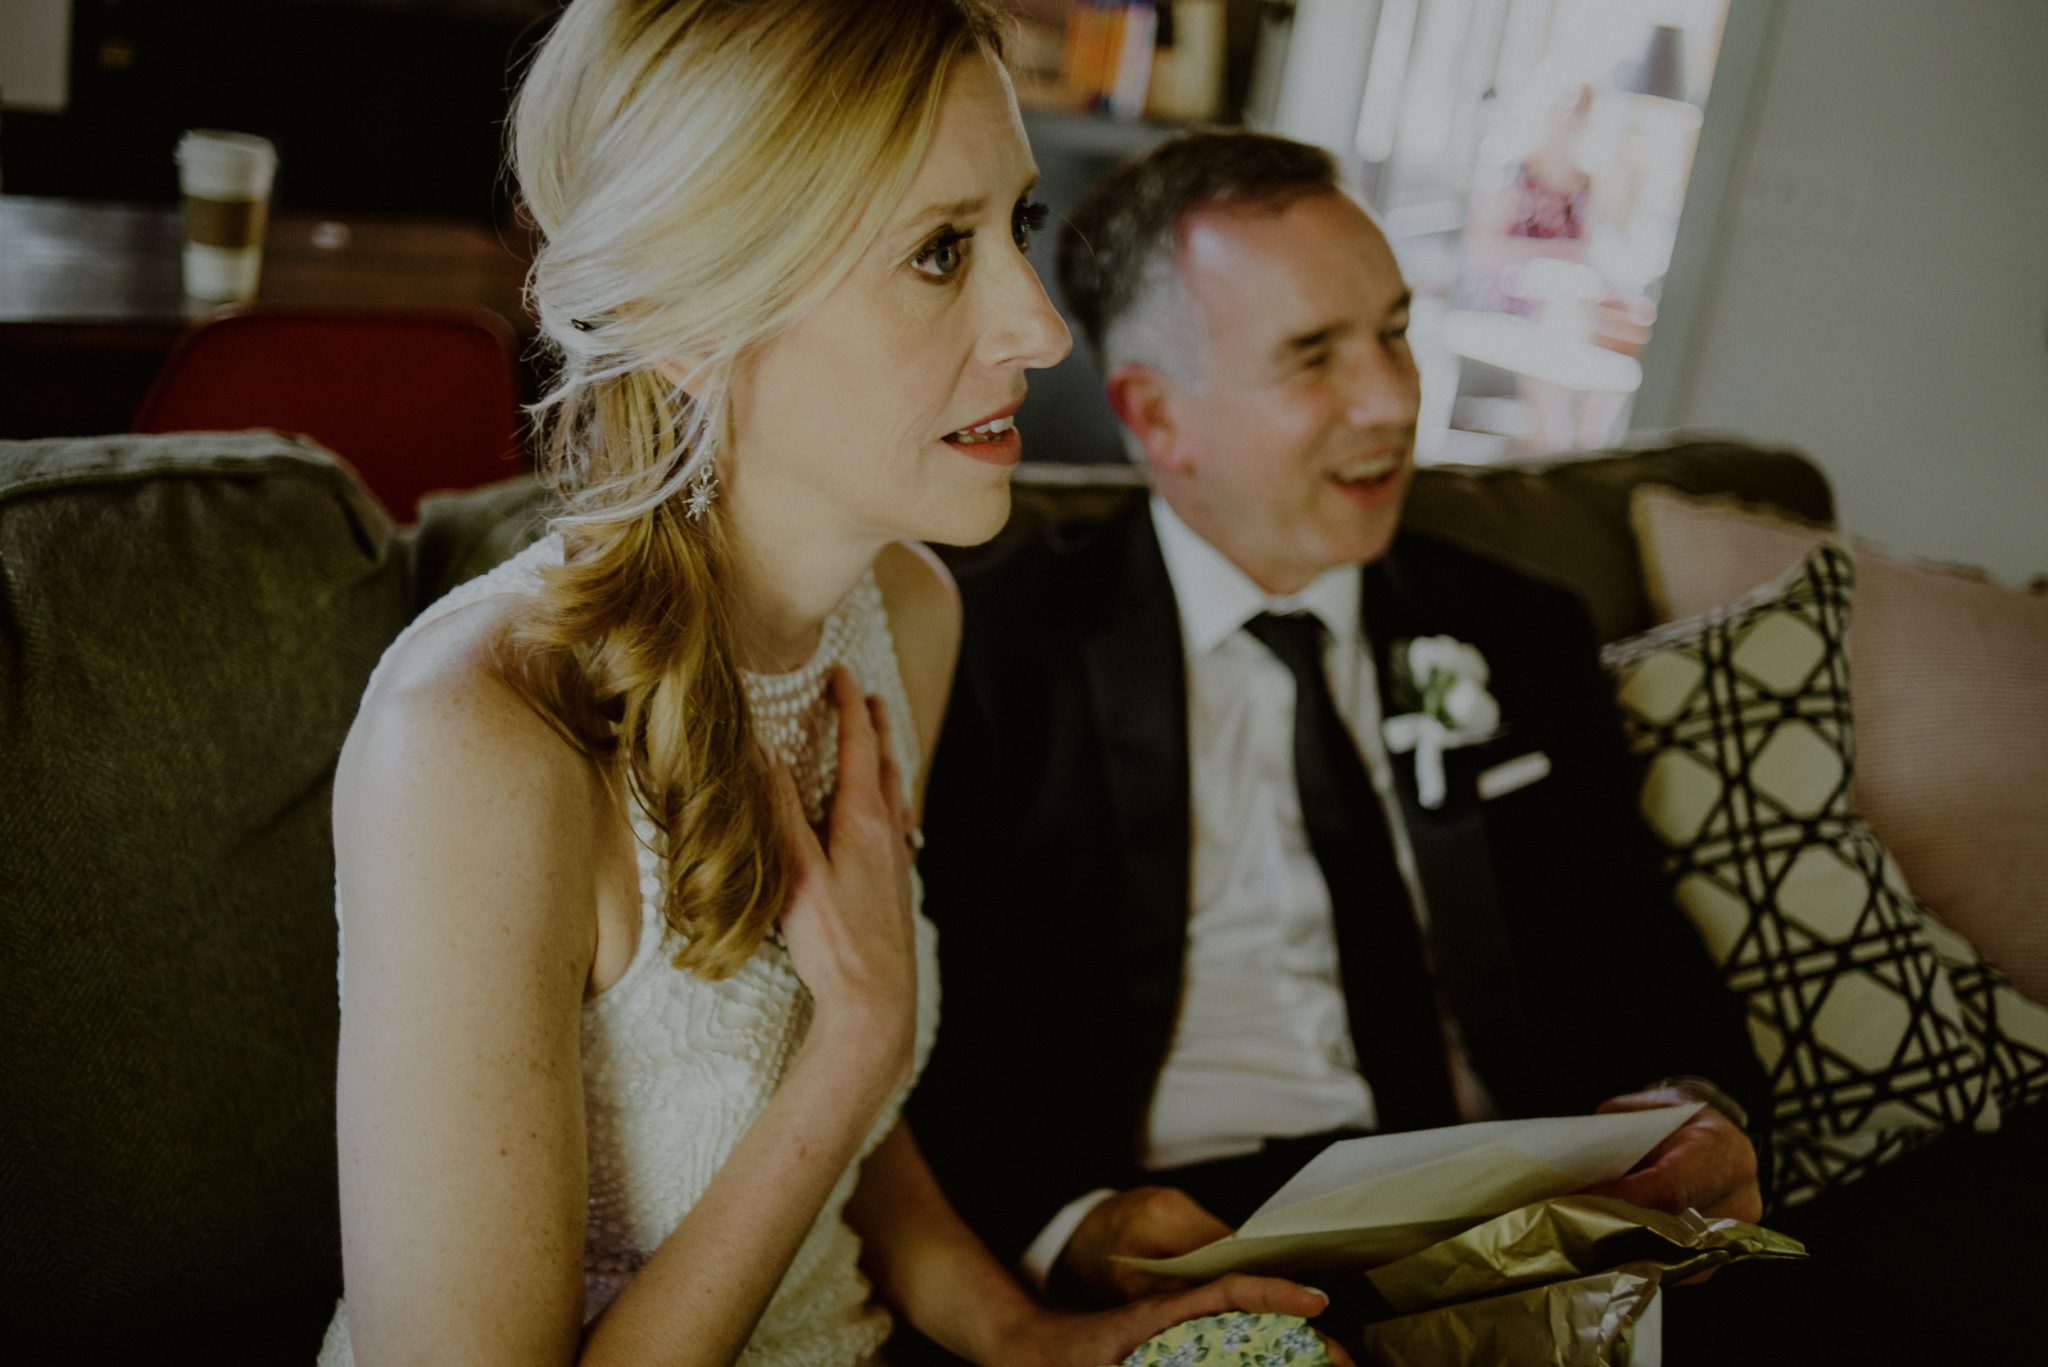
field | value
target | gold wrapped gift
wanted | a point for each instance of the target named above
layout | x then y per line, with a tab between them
1563	1282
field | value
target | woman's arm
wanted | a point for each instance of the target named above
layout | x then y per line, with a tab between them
467	837
924	1260
698	1299
464	854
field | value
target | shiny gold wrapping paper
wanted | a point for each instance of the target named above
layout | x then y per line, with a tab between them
1557	1282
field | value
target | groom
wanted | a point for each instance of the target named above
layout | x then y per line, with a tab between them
1196	920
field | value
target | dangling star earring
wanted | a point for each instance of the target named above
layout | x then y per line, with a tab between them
703	489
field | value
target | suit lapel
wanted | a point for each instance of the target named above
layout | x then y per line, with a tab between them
1454	861
1137	686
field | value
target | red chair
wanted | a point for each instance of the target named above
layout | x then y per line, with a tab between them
414	401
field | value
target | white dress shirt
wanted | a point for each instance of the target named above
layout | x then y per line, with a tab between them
1262	1047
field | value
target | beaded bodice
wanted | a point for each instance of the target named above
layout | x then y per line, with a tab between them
675	1067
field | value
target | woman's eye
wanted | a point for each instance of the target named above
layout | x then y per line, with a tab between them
942	258
1026	221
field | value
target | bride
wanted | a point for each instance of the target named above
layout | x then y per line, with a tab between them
634	975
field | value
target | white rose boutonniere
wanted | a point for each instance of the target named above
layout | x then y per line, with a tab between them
1444	680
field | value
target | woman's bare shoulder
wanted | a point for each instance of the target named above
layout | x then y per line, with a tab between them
442	699
923	605
451	780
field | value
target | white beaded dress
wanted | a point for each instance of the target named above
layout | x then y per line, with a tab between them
676	1067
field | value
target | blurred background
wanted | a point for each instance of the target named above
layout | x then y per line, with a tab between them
1812	222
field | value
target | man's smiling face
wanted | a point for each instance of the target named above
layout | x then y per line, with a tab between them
1291	446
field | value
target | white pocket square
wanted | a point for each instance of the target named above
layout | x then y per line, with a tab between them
1512	775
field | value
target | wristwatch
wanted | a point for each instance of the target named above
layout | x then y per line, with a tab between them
1703	1089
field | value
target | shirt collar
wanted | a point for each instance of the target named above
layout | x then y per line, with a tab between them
1215	597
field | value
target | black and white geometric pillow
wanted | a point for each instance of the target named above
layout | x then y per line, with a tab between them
1742	718
2009	1029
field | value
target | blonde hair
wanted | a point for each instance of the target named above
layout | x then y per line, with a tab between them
703	173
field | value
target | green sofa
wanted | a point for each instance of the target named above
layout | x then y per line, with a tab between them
186	624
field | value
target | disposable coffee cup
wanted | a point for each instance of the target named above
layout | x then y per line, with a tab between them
225	179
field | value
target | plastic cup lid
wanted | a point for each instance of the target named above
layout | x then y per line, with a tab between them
214	144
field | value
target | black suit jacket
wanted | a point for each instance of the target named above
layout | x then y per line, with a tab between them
1057	867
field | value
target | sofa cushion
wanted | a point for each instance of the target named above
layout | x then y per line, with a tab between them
1951	702
186	625
1743	719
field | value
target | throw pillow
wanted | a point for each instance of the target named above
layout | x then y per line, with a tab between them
1951	700
2009	1030
1743	720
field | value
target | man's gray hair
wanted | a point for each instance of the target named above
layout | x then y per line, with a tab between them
1117	254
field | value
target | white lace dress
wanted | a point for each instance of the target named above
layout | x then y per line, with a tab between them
676	1067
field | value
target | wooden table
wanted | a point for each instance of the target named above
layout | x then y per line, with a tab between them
92	294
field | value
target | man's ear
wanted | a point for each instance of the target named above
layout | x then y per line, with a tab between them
1142	397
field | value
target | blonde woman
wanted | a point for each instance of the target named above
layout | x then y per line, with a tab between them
634	977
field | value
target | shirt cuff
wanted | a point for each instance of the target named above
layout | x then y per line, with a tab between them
1045	1250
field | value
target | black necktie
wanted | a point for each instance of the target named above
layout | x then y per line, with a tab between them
1387	988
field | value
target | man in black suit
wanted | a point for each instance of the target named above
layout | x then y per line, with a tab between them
1257	823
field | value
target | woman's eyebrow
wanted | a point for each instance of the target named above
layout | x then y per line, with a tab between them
959	210
952	211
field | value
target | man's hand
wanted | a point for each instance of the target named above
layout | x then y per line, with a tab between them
1143	1222
1708	1164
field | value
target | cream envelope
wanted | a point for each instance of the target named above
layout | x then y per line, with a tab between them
1362	1202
